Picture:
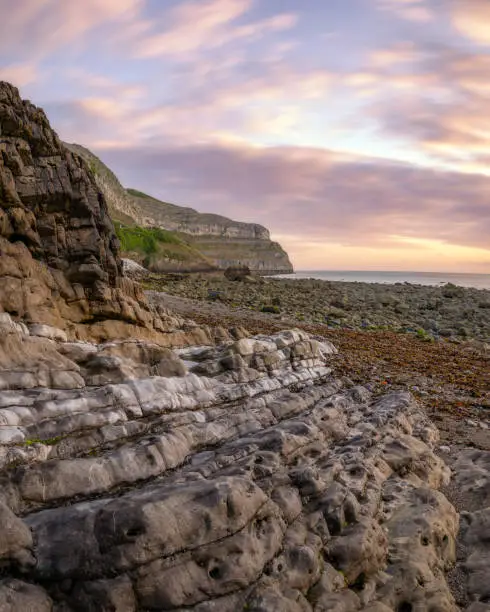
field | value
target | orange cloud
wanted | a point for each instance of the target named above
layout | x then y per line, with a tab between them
399	254
472	18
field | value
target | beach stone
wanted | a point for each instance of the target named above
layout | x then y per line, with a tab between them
237	273
16	595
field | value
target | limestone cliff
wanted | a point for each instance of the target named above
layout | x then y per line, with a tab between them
221	241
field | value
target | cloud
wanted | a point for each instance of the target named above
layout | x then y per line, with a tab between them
472	19
19	74
411	10
401	53
31	27
442	114
262	100
315	194
206	24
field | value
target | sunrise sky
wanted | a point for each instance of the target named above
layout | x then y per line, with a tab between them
358	131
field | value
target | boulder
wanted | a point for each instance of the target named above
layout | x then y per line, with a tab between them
237	273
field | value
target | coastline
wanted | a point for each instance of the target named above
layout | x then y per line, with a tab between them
451	380
432	313
393	277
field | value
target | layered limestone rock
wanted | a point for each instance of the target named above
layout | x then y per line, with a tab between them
220	240
238	477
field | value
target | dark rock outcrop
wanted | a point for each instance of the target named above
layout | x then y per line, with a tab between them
237	273
59	258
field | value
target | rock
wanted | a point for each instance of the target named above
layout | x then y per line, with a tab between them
60	268
133	269
237	273
475	535
16	595
251	480
15	540
45	331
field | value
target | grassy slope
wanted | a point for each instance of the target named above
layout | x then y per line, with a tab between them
159	249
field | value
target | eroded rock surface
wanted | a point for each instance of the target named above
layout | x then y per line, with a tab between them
470	488
238	477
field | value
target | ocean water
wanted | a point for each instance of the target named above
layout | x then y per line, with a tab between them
478	281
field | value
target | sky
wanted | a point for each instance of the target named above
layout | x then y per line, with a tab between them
357	131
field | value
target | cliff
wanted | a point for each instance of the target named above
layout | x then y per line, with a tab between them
59	255
216	241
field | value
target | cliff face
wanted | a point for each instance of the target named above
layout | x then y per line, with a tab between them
189	221
120	203
221	240
59	261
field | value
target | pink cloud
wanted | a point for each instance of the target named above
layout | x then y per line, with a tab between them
44	25
206	24
411	10
19	74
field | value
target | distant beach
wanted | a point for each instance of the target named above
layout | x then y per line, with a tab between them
421	303
477	281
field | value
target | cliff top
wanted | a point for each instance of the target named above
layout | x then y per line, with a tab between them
145	209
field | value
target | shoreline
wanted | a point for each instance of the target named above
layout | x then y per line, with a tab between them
433	313
395	277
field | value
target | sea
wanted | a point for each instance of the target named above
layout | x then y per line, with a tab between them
478	281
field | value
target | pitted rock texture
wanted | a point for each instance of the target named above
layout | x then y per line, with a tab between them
217	479
471	482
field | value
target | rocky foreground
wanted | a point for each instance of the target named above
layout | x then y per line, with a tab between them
448	312
240	477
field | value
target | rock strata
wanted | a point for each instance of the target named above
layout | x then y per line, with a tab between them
243	476
59	261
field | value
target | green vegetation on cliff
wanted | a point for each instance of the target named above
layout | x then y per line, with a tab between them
160	250
144	239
